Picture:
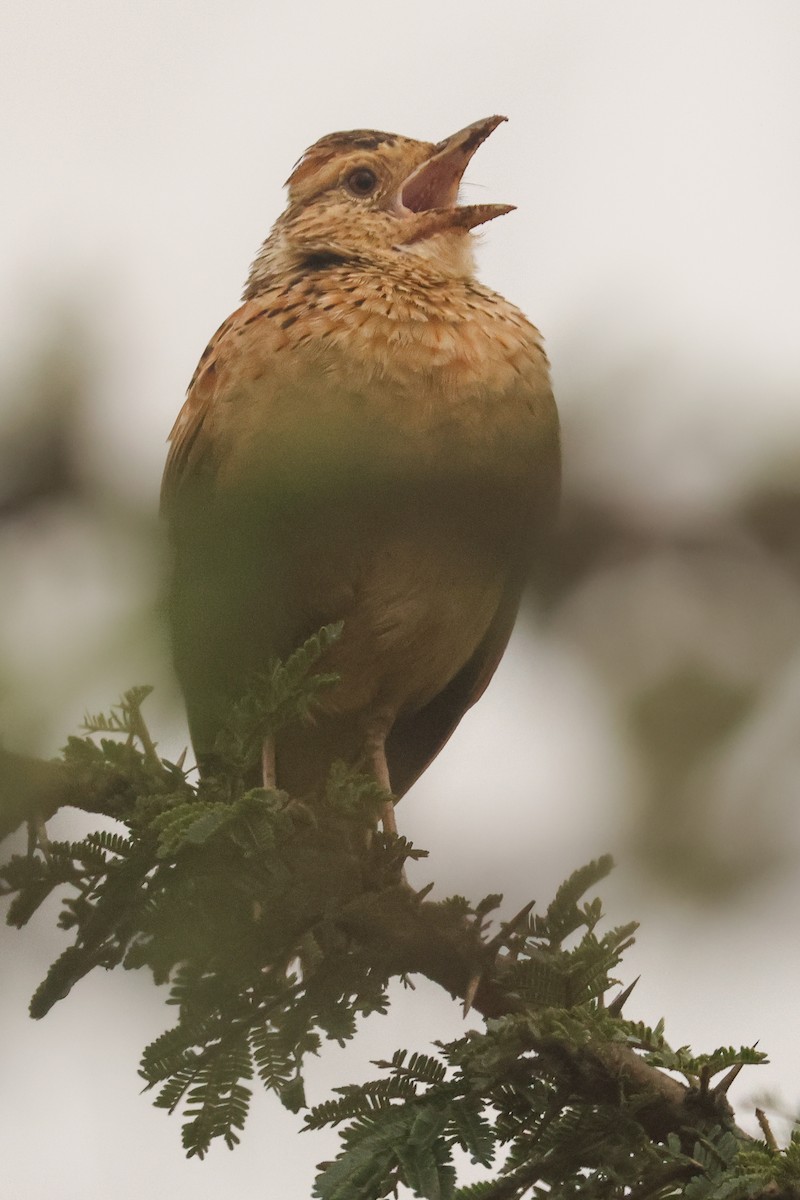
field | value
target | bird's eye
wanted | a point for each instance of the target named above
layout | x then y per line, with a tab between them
362	181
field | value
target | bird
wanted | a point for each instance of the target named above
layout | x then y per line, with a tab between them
370	438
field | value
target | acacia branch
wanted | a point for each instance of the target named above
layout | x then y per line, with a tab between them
30	790
430	939
405	934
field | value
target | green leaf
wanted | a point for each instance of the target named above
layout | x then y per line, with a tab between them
217	1105
564	916
473	1132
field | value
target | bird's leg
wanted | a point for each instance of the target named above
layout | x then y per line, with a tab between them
268	772
375	753
388	819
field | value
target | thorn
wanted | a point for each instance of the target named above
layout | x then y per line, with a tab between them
617	1004
181	758
508	927
470	993
423	892
721	1088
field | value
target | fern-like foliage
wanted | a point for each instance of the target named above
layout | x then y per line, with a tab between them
288	691
511	1111
510	1097
275	924
227	895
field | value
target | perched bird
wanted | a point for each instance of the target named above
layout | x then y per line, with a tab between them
370	438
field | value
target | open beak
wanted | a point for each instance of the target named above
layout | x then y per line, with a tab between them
427	199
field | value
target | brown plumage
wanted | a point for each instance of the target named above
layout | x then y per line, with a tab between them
371	438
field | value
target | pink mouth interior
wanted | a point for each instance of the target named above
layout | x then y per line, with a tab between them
434	185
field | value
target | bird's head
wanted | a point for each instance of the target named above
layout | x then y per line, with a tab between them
361	196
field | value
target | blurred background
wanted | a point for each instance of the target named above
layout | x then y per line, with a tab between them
649	703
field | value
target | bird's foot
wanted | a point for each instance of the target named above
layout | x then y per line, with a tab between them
388	819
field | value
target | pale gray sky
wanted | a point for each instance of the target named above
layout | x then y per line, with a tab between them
652	151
